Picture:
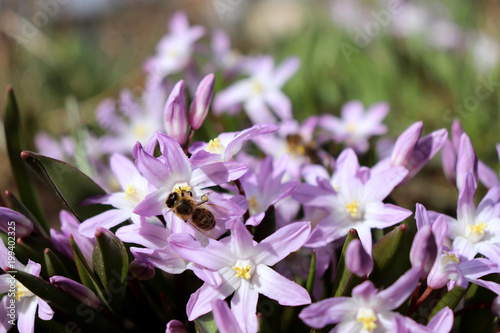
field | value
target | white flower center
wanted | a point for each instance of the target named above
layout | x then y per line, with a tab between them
367	318
475	233
449	257
244	269
354	210
140	132
132	195
215	146
181	187
257	88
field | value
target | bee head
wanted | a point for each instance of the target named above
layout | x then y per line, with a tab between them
172	199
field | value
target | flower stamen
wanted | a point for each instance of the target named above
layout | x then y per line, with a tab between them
129	191
367	318
215	146
352	208
243	272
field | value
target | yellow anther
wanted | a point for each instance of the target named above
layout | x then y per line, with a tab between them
140	131
215	147
449	257
129	191
352	208
21	291
252	202
243	272
367	318
351	128
477	229
257	87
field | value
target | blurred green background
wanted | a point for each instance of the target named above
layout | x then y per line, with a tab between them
93	52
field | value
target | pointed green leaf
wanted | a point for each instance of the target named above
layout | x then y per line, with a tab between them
110	259
21	208
69	184
15	145
206	324
58	299
343	276
312	274
34	247
267	226
384	253
450	299
54	264
86	276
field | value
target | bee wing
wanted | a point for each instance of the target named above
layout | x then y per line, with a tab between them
217	210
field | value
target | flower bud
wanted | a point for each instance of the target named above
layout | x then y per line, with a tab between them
12	221
77	290
199	107
175	114
175	326
141	270
424	250
358	260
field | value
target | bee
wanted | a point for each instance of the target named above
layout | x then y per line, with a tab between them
190	210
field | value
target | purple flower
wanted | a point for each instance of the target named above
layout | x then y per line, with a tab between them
353	199
297	141
411	151
244	268
174	51
25	302
356	126
357	260
423	250
260	90
135	189
265	188
366	311
476	230
172	171
203	96
225	319
450	267
132	121
77	290
226	145
14	223
175	326
69	226
175	114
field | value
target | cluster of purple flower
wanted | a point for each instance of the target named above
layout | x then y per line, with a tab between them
316	199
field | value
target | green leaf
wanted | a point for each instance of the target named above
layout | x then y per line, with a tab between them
21	208
61	301
343	276
110	259
69	184
15	145
384	253
206	324
450	299
86	276
312	274
54	264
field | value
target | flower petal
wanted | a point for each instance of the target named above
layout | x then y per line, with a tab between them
214	256
399	291
201	301
224	318
107	219
325	312
244	306
281	243
273	285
